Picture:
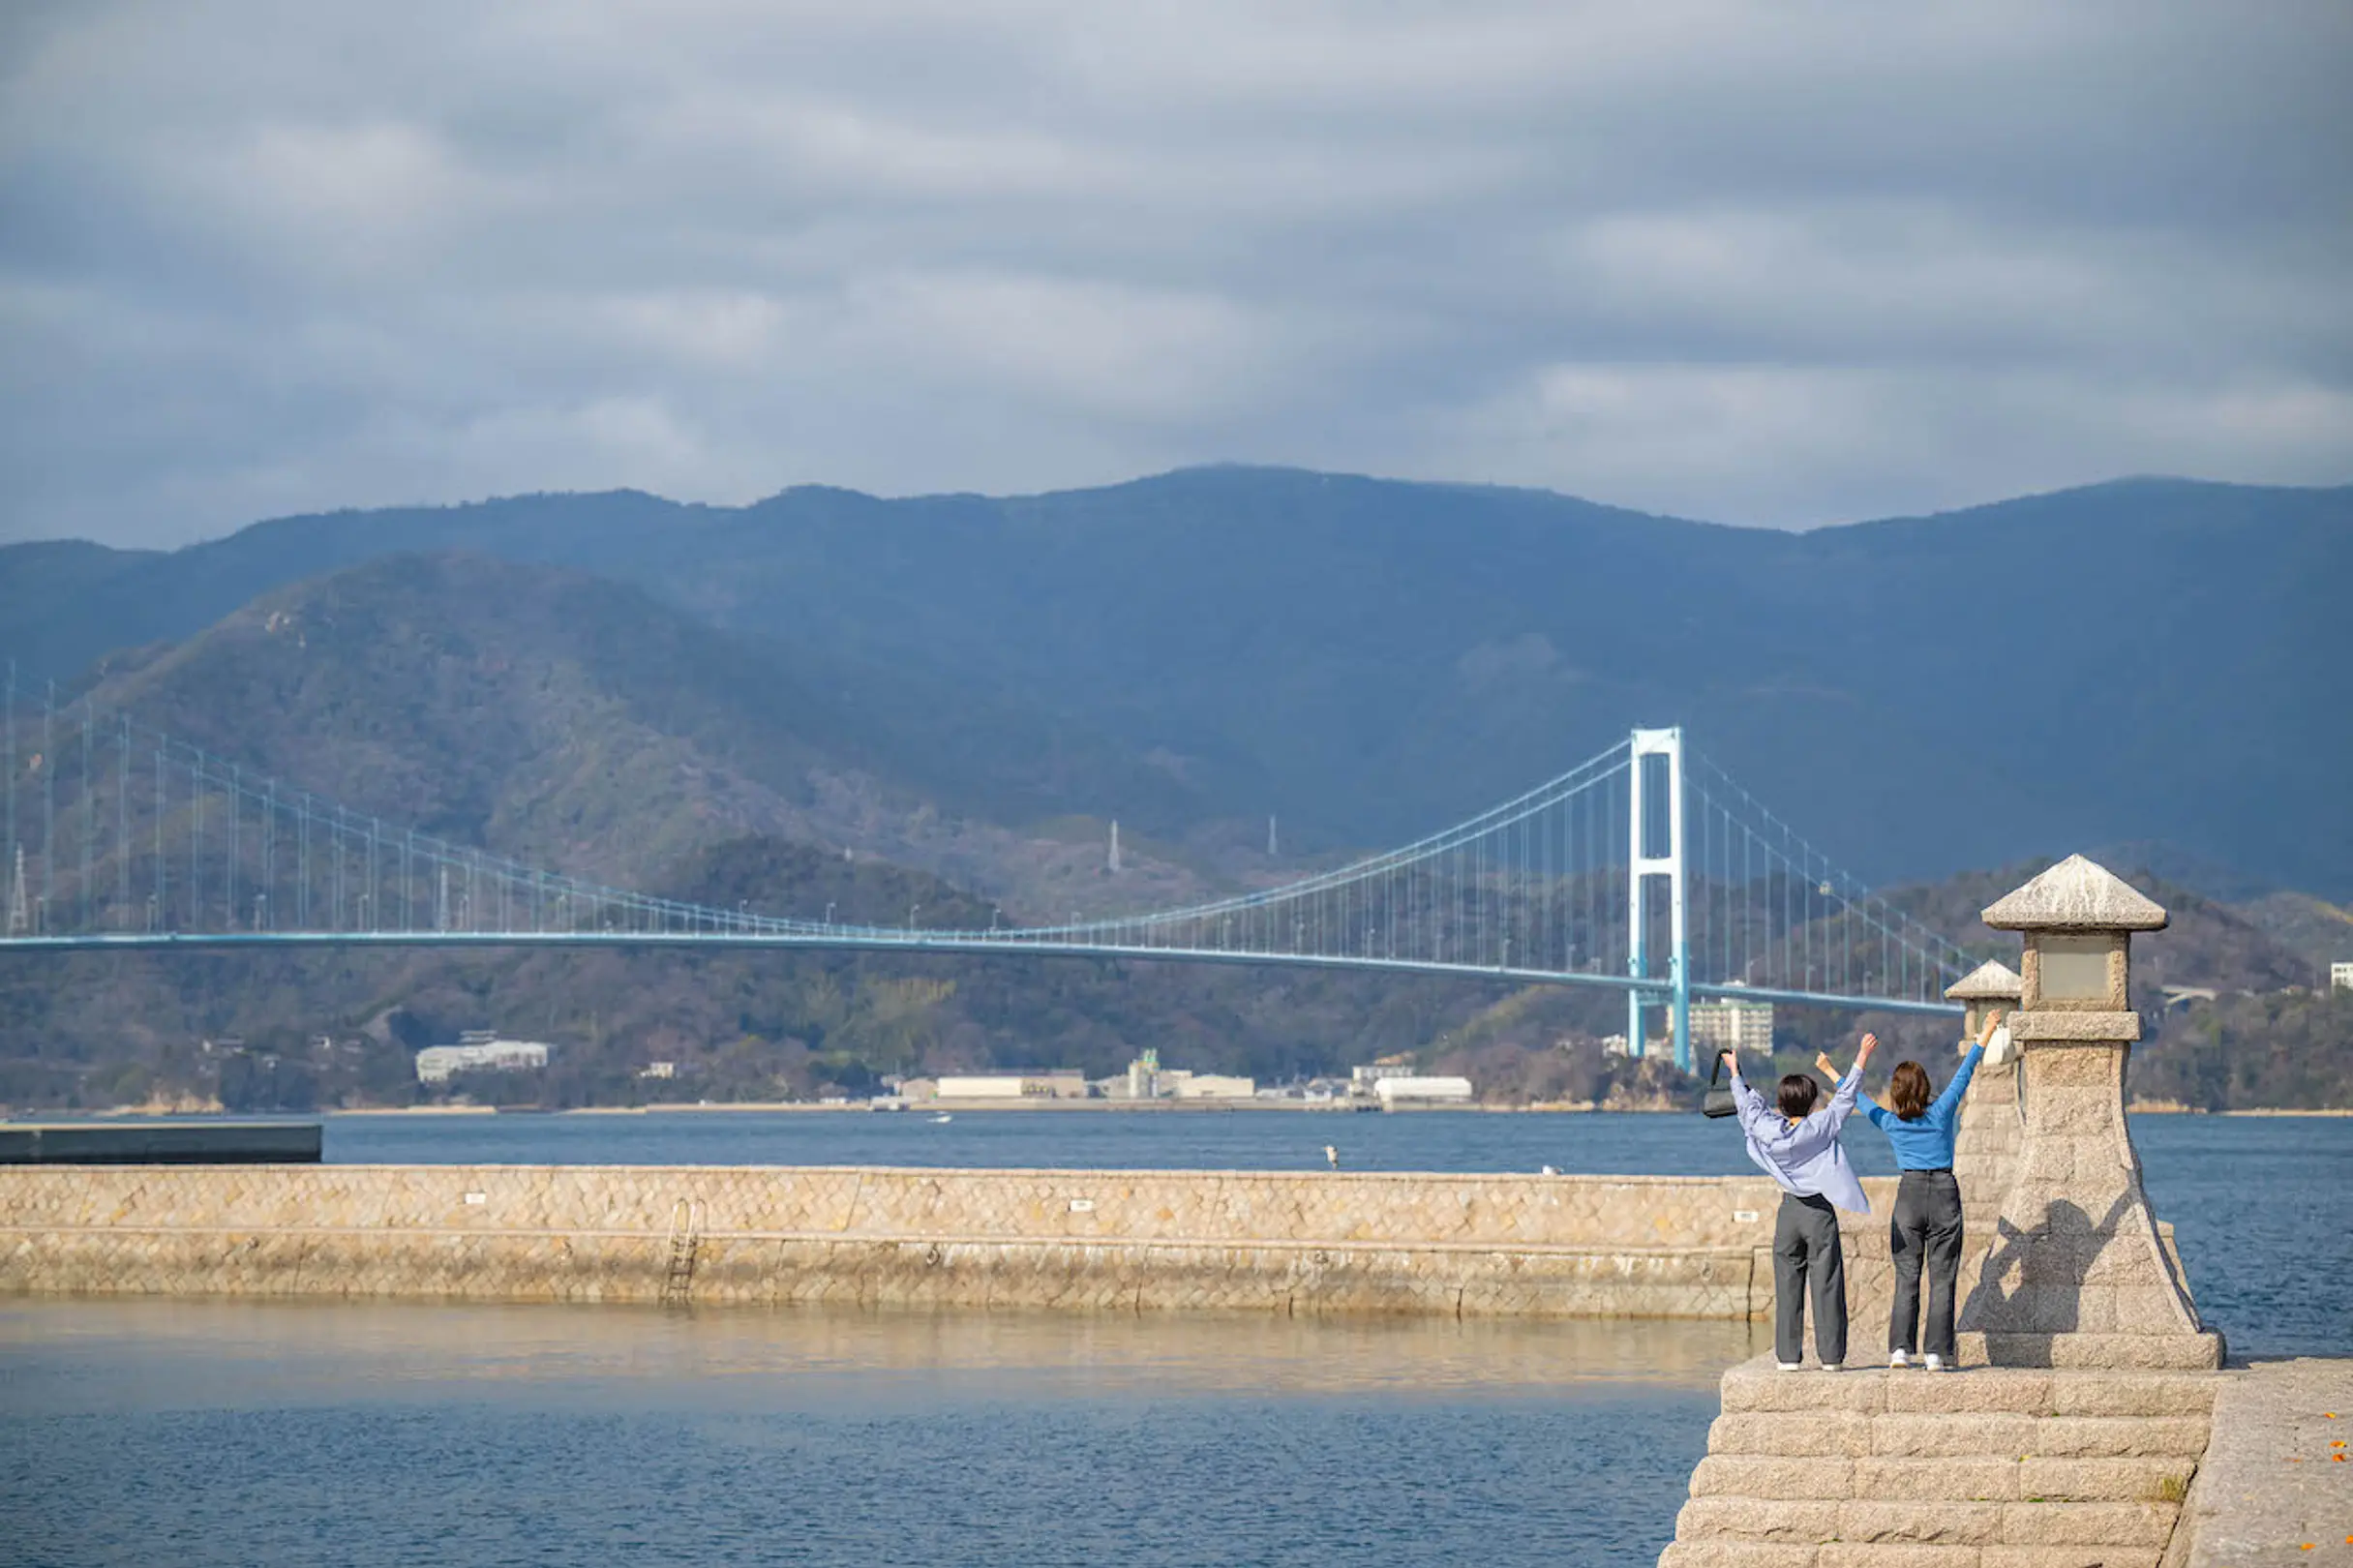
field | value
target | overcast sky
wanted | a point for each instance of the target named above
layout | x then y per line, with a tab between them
1781	264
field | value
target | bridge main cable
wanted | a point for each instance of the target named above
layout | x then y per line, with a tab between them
1529	889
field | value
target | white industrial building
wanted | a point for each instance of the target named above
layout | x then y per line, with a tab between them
1180	1084
1062	1083
2340	977
480	1050
1399	1093
1146	1079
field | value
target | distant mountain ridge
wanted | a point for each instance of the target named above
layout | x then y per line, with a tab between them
575	723
2150	661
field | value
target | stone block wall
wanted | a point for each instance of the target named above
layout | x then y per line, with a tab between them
1311	1242
1562	1246
1128	1241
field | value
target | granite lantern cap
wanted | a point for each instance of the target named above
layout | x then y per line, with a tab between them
1992	980
1991	984
2077	895
2077	919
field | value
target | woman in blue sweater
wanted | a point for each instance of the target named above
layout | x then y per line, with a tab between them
1927	1221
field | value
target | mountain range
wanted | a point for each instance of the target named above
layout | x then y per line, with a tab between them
2158	667
934	709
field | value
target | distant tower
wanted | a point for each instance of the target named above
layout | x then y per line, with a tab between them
19	915
1270	838
1115	846
440	903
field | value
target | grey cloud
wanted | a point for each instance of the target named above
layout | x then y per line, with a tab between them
1772	264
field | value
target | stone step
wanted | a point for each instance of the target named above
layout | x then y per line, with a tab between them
1924	1434
1929	1433
1951	1477
1756	1386
1867	1555
1740	1554
2125	1525
1793	1433
1988	1467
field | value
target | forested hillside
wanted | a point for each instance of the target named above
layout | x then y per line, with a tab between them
575	723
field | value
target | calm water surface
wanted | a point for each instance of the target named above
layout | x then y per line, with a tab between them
224	1433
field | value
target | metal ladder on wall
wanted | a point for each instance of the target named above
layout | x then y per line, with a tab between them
686	1220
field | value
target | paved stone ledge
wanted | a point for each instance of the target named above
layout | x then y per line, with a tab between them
2272	1490
1583	1211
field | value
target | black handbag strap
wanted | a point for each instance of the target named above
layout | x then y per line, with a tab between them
1721	1102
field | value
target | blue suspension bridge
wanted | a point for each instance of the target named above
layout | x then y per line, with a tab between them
1645	869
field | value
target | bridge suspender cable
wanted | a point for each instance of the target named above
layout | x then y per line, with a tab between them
1528	890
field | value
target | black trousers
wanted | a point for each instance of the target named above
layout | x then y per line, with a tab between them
1926	1228
1807	1256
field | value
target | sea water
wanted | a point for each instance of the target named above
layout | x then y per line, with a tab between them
271	1434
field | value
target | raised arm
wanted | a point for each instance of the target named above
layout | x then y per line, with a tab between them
1842	1099
1749	1102
1870	1107
1954	1091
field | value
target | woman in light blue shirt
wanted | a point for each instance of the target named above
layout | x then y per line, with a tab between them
1927	1220
1797	1146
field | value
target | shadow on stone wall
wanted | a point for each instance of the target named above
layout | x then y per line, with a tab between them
2030	1287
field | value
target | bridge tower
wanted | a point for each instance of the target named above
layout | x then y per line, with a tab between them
1642	864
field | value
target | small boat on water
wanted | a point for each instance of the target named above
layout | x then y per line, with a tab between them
942	1117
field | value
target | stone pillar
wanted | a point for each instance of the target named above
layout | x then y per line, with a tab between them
2076	1275
1992	1129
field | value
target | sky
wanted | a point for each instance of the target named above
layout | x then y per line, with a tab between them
1777	264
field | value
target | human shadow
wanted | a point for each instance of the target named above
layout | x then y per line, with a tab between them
2049	1262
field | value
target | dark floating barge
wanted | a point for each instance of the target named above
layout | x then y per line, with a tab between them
160	1143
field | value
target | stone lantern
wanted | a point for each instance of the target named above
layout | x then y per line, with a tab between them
1992	1127
2077	1275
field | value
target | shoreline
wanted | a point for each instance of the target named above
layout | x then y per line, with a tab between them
784	1107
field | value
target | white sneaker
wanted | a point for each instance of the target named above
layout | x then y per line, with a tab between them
1833	1366
1935	1363
1897	1359
1786	1366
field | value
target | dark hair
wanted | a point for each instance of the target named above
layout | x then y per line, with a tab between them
1797	1094
1908	1090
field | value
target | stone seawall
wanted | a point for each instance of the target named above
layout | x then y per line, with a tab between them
1547	1246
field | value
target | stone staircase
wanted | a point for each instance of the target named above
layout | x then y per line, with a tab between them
1988	1467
